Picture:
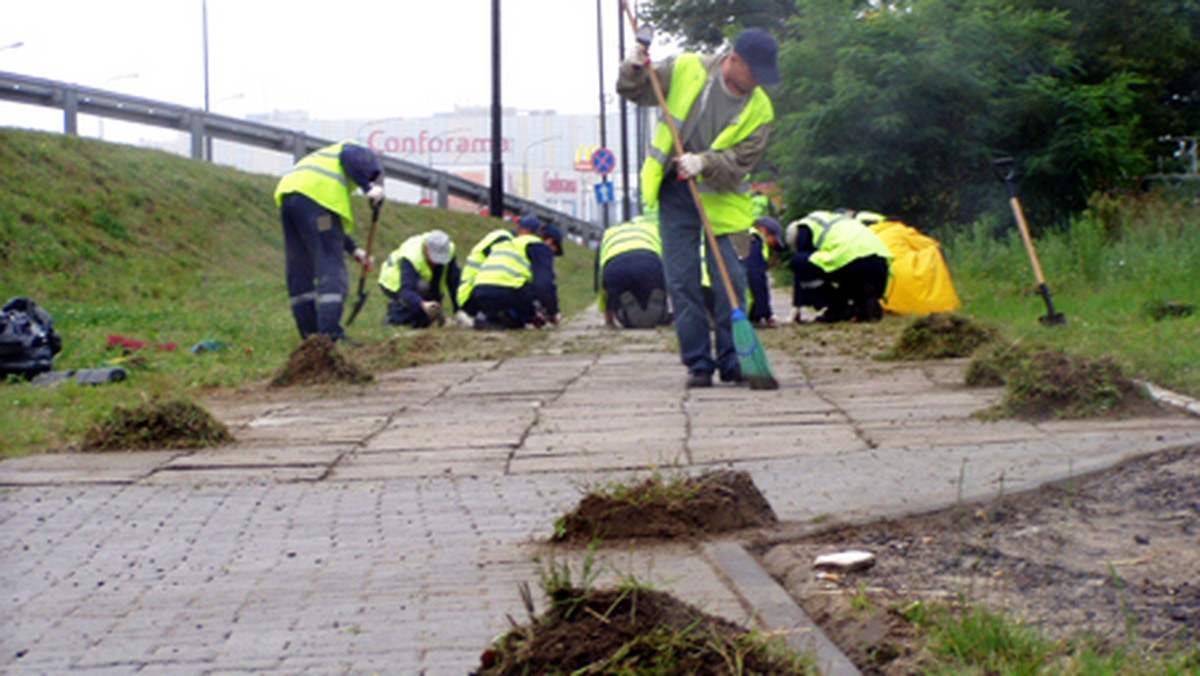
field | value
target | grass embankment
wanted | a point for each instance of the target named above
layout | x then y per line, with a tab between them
123	241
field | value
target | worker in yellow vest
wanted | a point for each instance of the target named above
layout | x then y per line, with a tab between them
417	276
314	203
766	236
840	266
724	119
633	288
516	285
525	225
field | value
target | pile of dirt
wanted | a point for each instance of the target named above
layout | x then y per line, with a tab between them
158	424
632	631
1112	554
1050	384
939	336
708	503
318	362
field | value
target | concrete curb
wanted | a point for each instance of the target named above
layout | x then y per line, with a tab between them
775	609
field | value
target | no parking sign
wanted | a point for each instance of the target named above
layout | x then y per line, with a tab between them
603	160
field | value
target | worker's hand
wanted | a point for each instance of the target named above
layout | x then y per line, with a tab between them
463	319
539	320
689	165
639	55
375	194
361	257
432	308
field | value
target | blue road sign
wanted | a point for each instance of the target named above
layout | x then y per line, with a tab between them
603	160
604	192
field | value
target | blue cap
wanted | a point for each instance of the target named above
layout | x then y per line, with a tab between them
758	49
531	223
555	235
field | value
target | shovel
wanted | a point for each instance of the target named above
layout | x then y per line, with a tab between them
362	280
1004	169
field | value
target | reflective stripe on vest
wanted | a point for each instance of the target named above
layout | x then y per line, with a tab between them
839	239
631	236
475	259
508	265
727	211
413	251
320	177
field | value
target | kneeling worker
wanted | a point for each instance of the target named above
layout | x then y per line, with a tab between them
839	265
415	278
515	285
633	288
526	225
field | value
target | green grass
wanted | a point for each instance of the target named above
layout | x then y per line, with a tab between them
117	240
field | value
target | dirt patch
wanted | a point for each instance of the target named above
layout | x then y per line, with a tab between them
1114	553
1050	384
158	424
318	362
634	631
708	503
939	336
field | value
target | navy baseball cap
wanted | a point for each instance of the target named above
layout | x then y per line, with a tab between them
555	236
758	49
531	223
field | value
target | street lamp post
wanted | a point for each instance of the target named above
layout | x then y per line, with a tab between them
208	139
525	162
123	76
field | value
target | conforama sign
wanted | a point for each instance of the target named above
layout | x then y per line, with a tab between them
425	144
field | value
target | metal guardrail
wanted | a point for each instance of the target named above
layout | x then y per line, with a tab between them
75	99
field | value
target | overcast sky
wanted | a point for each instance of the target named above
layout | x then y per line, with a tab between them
352	59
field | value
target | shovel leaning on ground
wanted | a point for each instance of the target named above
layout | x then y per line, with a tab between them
1004	169
362	280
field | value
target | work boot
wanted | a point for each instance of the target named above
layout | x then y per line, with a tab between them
732	375
699	379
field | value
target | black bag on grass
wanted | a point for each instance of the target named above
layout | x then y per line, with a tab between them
28	341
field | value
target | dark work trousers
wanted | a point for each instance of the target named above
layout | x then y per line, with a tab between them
403	314
504	305
639	272
317	279
852	290
682	232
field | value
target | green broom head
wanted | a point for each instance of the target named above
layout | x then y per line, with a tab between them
751	355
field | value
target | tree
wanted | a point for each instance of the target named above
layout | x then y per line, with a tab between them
704	25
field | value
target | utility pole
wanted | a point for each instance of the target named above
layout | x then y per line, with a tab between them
603	125
496	201
626	208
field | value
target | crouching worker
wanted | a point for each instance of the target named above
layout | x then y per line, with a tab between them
515	285
766	236
633	288
417	276
840	265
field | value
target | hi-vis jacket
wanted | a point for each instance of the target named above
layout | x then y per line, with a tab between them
413	251
728	211
475	259
320	176
522	260
838	239
640	234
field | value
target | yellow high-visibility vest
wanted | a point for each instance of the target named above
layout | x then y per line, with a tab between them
727	211
320	177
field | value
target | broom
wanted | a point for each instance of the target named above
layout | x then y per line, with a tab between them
751	355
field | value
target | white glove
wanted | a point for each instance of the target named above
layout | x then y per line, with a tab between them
361	257
639	56
463	319
689	164
375	194
432	308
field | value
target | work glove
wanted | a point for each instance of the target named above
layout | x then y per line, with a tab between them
375	194
361	257
432	308
539	320
689	165
639	56
463	319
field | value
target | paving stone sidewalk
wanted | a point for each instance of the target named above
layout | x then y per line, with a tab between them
389	532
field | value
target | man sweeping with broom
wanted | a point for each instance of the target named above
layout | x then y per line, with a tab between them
715	127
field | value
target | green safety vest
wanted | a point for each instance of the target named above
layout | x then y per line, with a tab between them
640	234
413	251
727	211
508	265
839	239
320	177
475	259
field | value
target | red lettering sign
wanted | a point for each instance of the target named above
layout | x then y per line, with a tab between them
551	183
425	144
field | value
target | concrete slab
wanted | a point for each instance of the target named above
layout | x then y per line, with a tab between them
83	468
